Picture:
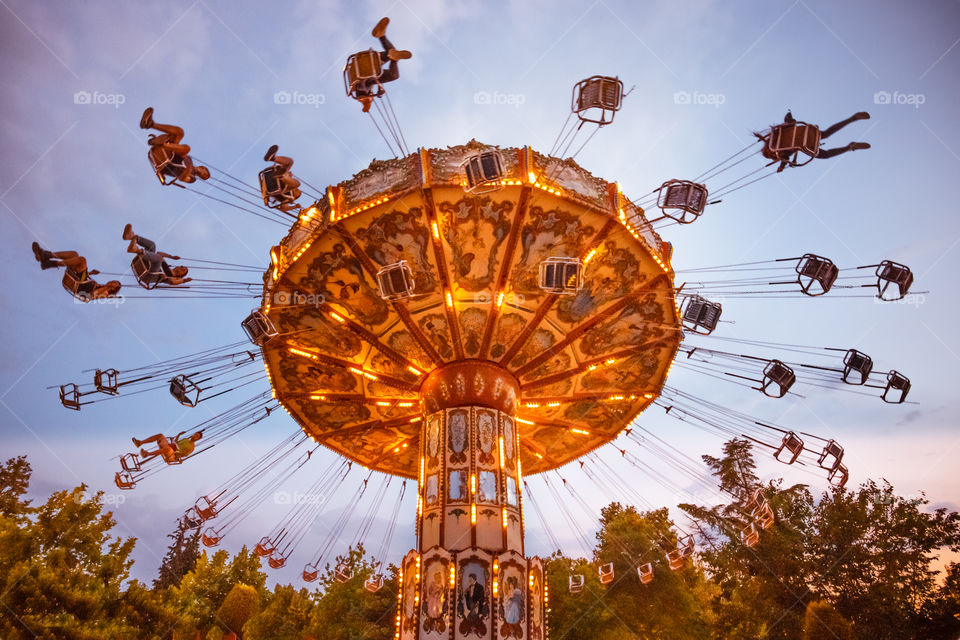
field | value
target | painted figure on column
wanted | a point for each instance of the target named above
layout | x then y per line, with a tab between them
472	608
434	607
512	609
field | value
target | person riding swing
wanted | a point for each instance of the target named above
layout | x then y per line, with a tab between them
77	278
366	89
776	150
169	156
173	450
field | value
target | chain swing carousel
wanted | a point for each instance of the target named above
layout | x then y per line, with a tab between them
470	317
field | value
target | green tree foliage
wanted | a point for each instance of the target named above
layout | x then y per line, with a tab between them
285	617
763	589
62	574
846	564
203	590
823	622
871	553
345	610
14	480
181	555
941	612
240	604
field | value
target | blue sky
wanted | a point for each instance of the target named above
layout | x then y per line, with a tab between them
74	173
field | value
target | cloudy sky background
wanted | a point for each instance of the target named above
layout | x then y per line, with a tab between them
73	174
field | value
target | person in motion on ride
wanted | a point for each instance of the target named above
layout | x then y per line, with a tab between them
289	182
368	89
170	139
172	450
784	156
76	266
156	260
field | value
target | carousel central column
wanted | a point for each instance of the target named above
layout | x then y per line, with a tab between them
469	578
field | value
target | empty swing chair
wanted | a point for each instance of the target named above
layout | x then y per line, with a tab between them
816	274
265	547
700	315
893	274
395	281
790	448
258	327
70	395
563	276
343	572
130	463
373	583
185	390
777	379
788	140
206	508
675	560
857	367
310	573
482	172
645	573
210	537
838	476
683	201
597	99
277	562
124	480
766	518
606	573
750	535
831	455
575	583
755	503
897	388
106	381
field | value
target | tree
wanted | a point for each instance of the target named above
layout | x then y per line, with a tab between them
872	551
14	480
941	612
284	618
240	604
822	622
346	610
203	590
63	573
181	555
762	589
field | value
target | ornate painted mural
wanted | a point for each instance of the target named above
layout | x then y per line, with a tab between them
348	363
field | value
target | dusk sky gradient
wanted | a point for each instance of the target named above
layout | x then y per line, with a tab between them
73	174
